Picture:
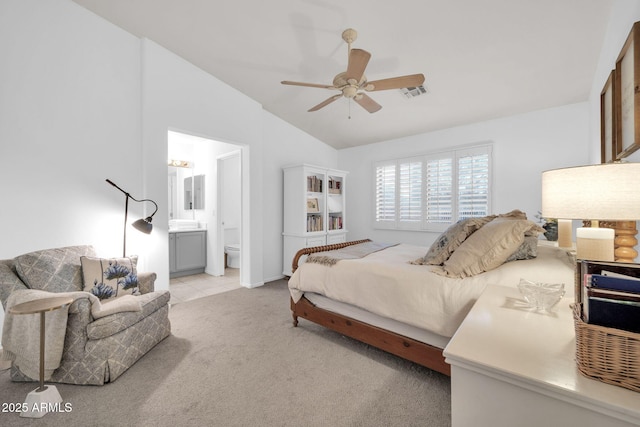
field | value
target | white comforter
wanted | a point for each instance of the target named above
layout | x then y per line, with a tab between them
386	284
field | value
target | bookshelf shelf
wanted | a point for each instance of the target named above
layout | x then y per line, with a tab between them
314	209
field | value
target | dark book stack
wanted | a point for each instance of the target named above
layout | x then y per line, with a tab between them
609	294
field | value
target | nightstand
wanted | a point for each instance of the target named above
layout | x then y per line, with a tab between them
512	365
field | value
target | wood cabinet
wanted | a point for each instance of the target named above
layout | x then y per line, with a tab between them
314	209
187	252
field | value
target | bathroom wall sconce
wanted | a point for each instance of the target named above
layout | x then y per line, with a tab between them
143	224
180	163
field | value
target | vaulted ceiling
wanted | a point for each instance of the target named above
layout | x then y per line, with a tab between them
482	59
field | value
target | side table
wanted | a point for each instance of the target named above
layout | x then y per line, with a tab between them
43	394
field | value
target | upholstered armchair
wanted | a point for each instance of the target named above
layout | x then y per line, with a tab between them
96	350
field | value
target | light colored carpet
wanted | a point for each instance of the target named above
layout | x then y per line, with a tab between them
234	359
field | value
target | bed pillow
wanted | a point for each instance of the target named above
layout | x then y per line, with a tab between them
110	278
489	247
514	214
453	237
527	250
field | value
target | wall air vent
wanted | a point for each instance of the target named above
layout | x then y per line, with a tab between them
412	92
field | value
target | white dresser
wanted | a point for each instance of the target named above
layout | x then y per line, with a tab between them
511	366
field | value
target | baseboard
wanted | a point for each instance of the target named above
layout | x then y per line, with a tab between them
273	279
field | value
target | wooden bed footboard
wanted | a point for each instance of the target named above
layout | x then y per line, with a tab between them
315	249
399	345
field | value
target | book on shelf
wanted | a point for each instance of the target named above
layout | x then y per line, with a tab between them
609	294
335	223
314	184
314	223
335	186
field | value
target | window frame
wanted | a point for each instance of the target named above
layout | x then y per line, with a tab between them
425	224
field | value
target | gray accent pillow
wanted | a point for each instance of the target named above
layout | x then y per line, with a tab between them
53	270
527	250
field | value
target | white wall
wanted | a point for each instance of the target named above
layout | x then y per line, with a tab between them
624	14
69	119
523	147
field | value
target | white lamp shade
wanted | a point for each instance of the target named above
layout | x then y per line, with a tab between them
598	192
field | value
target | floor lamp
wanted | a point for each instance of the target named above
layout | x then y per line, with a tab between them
143	224
604	192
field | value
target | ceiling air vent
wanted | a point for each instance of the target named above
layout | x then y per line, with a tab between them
412	92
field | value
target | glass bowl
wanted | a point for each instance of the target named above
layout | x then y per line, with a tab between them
541	296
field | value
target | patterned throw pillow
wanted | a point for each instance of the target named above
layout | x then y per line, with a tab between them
110	278
449	241
527	250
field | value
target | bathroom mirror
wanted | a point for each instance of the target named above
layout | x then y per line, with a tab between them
177	201
194	192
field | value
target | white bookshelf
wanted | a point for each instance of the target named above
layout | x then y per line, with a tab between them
314	209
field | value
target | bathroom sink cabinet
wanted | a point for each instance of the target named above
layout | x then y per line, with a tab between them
187	252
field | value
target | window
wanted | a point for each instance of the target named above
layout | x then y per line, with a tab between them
433	191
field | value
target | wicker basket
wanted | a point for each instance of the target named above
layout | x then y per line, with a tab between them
607	354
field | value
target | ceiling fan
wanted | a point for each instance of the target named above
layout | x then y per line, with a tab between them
352	83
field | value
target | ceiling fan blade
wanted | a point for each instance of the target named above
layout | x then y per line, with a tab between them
358	60
325	102
413	80
285	82
367	103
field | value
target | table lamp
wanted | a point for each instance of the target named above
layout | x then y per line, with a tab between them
603	192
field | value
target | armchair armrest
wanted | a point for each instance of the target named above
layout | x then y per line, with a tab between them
146	282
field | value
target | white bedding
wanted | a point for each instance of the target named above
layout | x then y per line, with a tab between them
386	284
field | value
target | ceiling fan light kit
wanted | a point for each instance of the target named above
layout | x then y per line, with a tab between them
352	82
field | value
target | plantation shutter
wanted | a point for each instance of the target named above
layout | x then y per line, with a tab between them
385	194
431	192
439	191
473	184
410	193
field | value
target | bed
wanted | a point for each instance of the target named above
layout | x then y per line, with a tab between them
406	309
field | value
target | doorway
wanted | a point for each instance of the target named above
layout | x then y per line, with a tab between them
229	170
194	156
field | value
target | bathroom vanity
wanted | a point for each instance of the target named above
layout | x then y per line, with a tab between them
187	252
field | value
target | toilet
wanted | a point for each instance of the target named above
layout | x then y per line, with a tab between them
233	255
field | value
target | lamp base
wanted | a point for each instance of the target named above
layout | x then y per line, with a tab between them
39	403
626	241
565	228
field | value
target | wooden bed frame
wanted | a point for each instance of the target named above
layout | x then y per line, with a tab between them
399	345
